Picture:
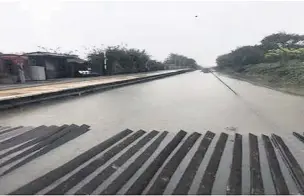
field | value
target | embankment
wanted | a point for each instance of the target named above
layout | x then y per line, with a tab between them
288	78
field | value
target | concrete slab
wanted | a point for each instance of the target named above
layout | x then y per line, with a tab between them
7	92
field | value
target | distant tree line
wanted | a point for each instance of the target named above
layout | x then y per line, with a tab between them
181	61
278	47
120	59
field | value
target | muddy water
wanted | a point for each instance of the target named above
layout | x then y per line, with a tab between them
192	102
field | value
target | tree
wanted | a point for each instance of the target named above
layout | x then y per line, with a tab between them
275	47
138	59
283	40
180	61
241	56
284	54
247	55
154	65
224	60
121	60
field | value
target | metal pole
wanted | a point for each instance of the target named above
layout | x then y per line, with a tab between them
105	60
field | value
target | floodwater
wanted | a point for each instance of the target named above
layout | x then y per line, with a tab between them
192	101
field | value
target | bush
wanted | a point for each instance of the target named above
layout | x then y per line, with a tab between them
240	57
278	47
284	54
279	73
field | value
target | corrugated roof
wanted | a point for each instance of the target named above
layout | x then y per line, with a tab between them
49	54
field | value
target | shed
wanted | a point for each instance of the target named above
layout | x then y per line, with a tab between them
56	65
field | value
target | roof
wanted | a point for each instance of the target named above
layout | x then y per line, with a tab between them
50	54
16	58
12	55
75	60
69	57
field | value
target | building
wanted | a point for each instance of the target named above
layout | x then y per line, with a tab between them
39	66
13	68
56	65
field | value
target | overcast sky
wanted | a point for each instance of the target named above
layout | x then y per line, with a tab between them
159	27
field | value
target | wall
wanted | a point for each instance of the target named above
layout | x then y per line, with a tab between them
8	72
37	73
55	67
